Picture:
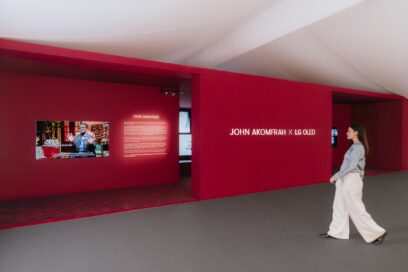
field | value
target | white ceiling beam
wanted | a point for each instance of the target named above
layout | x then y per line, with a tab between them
276	21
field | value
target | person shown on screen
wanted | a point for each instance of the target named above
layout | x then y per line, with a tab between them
349	192
84	141
39	152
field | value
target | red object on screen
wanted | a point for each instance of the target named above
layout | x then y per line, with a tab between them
50	151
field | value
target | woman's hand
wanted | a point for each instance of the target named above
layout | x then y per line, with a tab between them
332	181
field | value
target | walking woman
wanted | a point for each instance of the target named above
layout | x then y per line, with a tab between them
348	200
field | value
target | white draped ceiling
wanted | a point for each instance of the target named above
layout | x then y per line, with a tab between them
359	44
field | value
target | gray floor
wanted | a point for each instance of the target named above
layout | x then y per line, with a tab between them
273	231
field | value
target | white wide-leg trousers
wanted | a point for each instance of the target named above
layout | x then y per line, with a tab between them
348	202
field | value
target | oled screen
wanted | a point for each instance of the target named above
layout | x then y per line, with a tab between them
184	122
185	145
334	134
72	139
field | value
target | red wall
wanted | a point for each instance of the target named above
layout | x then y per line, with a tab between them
341	120
384	125
196	136
405	135
222	165
232	165
25	99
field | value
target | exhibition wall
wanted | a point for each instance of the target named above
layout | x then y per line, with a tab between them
249	133
27	99
237	164
384	124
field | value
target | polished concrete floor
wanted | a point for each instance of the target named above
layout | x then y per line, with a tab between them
271	231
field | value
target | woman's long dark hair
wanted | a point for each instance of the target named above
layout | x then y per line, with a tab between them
362	136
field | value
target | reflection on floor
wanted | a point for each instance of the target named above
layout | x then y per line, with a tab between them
14	213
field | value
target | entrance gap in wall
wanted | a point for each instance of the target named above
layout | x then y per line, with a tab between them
77	204
185	134
377	114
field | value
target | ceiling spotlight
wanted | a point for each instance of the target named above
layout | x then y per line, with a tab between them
172	92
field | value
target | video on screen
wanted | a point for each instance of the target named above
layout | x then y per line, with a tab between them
184	122
334	135
72	139
185	145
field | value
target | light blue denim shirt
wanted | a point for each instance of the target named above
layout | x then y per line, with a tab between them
354	162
